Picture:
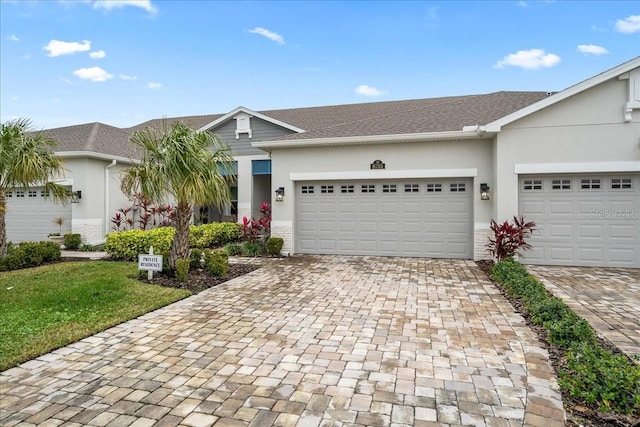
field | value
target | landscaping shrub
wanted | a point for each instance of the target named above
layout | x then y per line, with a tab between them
217	262
508	238
214	234
126	245
29	254
72	241
252	249
234	249
601	378
182	269
592	375
274	245
195	258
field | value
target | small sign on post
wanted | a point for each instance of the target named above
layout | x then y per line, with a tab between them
150	263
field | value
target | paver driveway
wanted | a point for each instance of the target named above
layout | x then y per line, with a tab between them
307	341
608	298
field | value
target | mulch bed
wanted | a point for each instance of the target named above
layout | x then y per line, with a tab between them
577	414
198	280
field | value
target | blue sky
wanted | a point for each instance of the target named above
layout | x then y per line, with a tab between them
124	62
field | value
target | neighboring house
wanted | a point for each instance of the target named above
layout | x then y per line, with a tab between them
405	177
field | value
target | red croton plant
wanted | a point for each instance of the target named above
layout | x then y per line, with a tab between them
252	229
509	237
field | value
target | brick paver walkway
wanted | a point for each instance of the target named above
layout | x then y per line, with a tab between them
607	298
308	341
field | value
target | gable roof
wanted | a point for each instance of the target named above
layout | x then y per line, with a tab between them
261	116
497	124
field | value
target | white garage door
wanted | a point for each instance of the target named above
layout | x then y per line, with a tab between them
583	220
30	215
415	218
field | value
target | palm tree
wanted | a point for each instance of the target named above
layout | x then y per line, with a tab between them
26	159
184	165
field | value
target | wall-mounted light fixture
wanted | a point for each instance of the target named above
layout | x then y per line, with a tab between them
76	196
280	194
484	191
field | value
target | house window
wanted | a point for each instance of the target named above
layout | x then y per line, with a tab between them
307	189
434	188
346	189
368	188
561	184
532	184
590	183
457	187
326	189
33	193
411	188
620	183
19	193
389	188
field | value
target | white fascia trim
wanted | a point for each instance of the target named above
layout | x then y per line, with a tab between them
497	125
383	174
592	167
93	155
241	109
375	139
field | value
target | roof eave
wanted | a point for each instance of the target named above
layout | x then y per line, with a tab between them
94	155
478	132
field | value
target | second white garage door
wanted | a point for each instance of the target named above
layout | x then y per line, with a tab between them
583	220
30	215
415	218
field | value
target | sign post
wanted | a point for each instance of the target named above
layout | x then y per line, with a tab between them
150	263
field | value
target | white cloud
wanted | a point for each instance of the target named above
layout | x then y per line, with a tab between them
268	34
592	49
154	85
13	38
98	54
127	77
629	25
95	74
529	59
369	91
57	47
118	4
522	4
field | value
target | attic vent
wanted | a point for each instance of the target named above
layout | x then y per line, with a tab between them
243	124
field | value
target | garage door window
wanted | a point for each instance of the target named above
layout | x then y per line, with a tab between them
33	193
346	189
307	189
411	188
532	184
389	188
19	193
590	183
434	188
561	184
368	188
621	183
326	189
457	187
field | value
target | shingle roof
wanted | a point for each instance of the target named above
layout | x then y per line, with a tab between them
93	137
373	118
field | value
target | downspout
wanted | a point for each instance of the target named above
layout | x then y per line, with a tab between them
106	195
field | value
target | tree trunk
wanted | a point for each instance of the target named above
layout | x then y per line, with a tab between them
180	244
3	224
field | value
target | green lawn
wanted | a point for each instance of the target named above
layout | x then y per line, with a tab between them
47	307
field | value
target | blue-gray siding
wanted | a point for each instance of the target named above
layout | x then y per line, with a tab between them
261	131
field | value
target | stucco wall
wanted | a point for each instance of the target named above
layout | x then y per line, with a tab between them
586	130
432	156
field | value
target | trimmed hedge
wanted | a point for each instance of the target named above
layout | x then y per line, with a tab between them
72	241
214	234
592	375
274	245
126	245
29	254
217	262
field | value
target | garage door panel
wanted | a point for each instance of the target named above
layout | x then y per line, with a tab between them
30	218
414	223
589	222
